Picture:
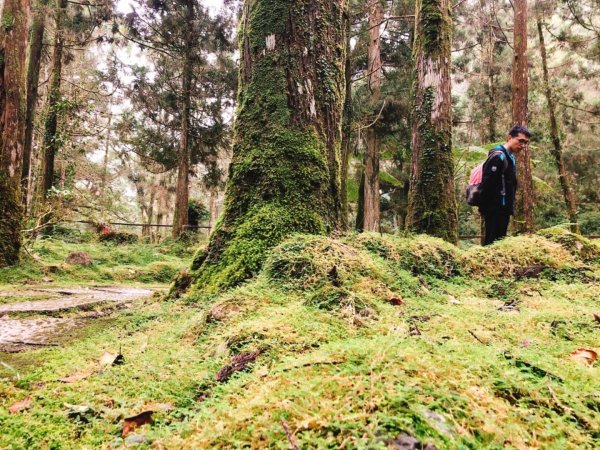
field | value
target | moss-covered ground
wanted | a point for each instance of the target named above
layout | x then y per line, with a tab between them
353	342
111	263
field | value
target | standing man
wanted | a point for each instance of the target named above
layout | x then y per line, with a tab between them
499	184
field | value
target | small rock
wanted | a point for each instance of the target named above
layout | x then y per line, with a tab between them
79	259
405	441
135	439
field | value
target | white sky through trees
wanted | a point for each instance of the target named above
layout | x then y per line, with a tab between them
214	6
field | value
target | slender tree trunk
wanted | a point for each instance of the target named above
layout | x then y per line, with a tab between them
487	54
346	130
285	175
432	203
34	58
524	202
180	219
51	139
13	53
555	136
371	209
104	177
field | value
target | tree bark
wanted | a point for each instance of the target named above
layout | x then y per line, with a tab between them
285	173
51	138
346	145
36	36
180	218
523	222
555	137
488	48
371	209
13	53
432	203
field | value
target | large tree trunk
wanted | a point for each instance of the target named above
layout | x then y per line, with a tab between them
371	209
51	140
36	35
180	218
285	174
432	203
346	145
13	52
556	144
524	202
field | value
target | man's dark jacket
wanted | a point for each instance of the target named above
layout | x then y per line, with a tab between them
492	199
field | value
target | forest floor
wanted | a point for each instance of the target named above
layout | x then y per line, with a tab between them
365	341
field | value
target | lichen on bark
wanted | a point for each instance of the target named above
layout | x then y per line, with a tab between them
285	174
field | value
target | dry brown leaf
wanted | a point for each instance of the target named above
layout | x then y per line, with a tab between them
131	424
76	377
396	301
584	356
111	359
20	405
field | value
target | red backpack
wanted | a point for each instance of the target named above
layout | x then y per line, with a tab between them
474	193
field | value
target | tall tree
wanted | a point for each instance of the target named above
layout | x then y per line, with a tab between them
371	205
285	175
51	139
520	93
180	220
432	203
13	53
557	153
34	59
182	41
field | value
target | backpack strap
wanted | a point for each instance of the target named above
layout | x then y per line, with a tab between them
502	153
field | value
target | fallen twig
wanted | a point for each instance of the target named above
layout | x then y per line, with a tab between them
476	337
290	436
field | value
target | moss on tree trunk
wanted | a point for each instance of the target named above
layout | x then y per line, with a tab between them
432	203
285	174
13	49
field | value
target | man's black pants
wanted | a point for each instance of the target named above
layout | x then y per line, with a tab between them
496	225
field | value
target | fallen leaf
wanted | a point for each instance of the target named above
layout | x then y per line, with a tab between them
76	377
111	359
238	362
134	422
584	356
20	406
396	301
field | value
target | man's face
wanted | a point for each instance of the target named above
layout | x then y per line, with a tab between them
517	143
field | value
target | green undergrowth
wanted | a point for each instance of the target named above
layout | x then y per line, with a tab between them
110	263
348	343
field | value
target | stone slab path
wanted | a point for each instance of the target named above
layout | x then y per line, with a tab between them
19	333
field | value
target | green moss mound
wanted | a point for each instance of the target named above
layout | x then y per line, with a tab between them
579	246
509	256
420	255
